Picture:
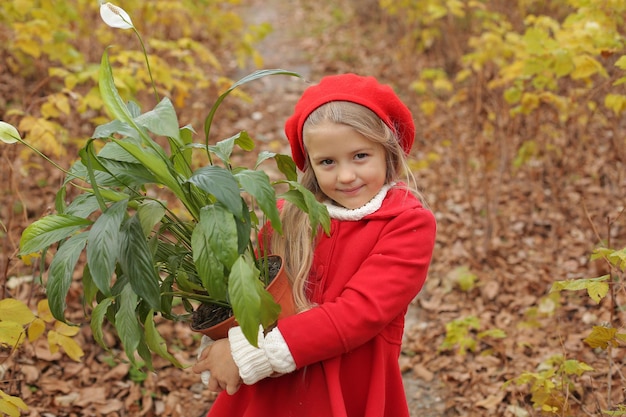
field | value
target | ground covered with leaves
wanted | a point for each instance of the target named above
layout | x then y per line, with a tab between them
486	315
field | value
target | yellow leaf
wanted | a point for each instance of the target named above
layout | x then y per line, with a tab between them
15	311
43	311
72	349
49	110
36	329
597	290
53	341
585	67
65	329
28	46
11	405
11	334
28	259
601	336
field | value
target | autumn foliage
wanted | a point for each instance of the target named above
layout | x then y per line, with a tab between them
521	155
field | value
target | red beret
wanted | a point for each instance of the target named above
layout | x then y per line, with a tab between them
366	91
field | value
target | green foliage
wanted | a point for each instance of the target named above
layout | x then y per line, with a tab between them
51	45
551	386
553	382
141	253
564	68
462	334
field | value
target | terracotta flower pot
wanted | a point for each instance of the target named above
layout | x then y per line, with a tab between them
279	288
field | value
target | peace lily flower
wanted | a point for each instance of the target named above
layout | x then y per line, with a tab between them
115	16
8	133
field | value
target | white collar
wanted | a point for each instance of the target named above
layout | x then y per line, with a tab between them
342	213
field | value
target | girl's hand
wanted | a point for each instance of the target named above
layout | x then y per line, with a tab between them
219	361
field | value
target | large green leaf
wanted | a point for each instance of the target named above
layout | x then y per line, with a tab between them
305	200
224	148
61	273
156	164
257	184
150	212
48	230
115	127
214	245
162	120
104	245
221	184
252	304
97	319
287	166
155	341
220	231
126	323
110	96
137	263
182	152
82	206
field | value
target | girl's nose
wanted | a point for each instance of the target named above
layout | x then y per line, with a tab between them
346	175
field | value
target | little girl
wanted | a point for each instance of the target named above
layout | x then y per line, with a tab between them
338	357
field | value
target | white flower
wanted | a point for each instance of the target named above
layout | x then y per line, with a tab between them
8	133
115	16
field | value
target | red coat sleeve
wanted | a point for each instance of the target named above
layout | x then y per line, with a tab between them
386	281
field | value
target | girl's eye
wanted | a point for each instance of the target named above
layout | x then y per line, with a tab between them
326	162
361	155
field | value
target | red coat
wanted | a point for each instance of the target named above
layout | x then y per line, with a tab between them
347	348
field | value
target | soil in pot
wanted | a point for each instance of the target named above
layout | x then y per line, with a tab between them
210	315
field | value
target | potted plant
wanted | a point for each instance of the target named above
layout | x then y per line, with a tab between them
143	255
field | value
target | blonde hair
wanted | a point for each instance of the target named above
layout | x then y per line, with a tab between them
296	245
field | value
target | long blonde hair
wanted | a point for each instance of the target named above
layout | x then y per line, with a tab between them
296	245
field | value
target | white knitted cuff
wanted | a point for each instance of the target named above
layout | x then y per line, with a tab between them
253	363
278	352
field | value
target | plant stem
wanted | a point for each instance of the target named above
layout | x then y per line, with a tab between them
145	54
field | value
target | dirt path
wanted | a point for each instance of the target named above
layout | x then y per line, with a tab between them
289	47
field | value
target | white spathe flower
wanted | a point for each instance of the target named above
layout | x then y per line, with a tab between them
8	133
115	16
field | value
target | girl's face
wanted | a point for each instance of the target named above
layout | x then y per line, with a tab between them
350	169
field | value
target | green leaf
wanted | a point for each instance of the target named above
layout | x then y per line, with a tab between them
287	166
224	148
110	96
104	244
214	244
158	166
221	184
82	206
48	230
89	288
126	322
252	304
208	121
150	213
137	263
257	184
318	213
597	288
155	341
181	152
115	127
97	318
61	273
162	120
220	231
